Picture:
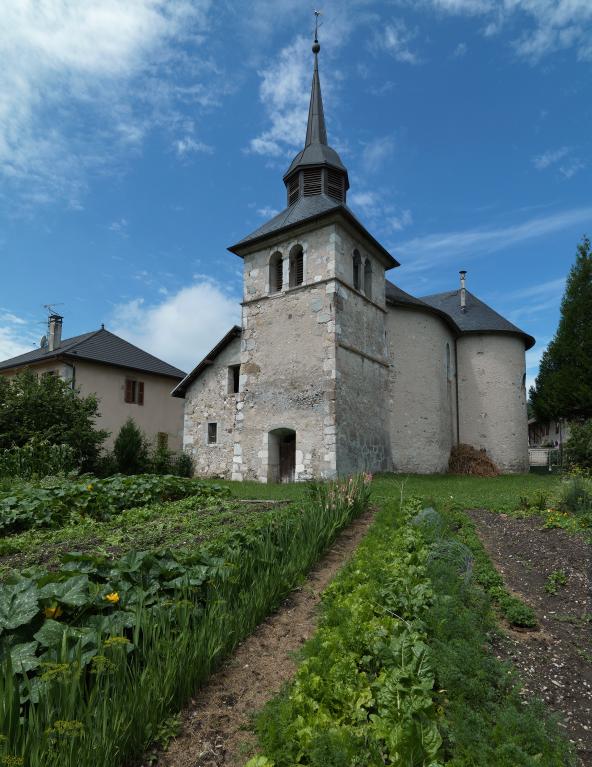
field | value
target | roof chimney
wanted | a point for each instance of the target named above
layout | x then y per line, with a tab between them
54	335
463	291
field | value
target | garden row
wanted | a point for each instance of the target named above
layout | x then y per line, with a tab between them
399	670
97	653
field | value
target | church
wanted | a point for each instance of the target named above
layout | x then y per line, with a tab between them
336	370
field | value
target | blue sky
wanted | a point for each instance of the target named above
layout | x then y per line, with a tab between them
139	139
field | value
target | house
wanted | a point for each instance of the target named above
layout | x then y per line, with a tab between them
335	369
548	433
128	381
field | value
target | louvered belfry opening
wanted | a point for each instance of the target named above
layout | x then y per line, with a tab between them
276	273
313	181
335	185
293	189
296	266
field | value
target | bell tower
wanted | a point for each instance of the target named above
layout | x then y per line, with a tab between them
314	367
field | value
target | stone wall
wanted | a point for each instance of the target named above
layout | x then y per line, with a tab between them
492	396
208	400
422	391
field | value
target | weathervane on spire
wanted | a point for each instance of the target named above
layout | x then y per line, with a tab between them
316	46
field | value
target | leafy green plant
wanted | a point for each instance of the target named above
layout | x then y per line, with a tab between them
36	458
576	496
57	500
556	580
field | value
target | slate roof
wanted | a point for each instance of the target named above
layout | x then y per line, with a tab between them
99	346
181	388
308	209
478	316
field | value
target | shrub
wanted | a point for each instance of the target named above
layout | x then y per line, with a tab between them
183	465
47	408
131	449
578	449
465	459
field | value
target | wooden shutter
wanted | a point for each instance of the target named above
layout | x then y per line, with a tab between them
140	392
129	390
313	181
279	274
299	268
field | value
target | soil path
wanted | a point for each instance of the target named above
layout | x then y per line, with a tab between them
213	730
554	663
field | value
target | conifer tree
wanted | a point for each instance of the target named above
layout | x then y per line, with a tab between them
563	387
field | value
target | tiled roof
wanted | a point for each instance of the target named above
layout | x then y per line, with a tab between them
478	317
99	346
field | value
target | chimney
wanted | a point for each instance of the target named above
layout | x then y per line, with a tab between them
54	335
463	291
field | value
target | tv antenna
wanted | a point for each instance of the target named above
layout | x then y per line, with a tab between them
50	308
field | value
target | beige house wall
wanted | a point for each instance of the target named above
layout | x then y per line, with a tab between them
159	413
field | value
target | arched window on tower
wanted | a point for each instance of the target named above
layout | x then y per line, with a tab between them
357	267
276	276
368	278
296	266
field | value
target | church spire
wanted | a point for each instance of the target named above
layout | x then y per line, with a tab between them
316	131
317	170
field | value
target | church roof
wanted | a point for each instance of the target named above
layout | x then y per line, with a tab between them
477	317
308	209
98	346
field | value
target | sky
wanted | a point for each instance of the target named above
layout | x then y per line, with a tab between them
139	139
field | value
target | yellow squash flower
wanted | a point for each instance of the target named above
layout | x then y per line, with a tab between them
53	612
113	597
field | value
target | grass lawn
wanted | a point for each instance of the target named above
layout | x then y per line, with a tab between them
501	494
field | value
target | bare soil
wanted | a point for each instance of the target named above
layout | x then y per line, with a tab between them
555	662
214	726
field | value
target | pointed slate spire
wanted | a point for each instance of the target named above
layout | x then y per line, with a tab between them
317	170
316	130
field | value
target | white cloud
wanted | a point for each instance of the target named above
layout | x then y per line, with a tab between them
550	157
553	25
183	327
571	167
460	51
535	300
401	221
119	227
189	145
81	80
284	92
377	152
267	212
395	38
15	336
422	253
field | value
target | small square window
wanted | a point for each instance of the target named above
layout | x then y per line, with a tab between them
212	433
233	379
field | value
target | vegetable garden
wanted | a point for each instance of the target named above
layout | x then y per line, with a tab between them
119	597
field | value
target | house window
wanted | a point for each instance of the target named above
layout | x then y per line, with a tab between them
233	379
368	278
134	391
162	440
357	268
276	276
212	433
296	266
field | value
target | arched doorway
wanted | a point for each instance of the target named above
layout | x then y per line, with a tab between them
281	455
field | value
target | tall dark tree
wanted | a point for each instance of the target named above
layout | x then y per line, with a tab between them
47	408
563	387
